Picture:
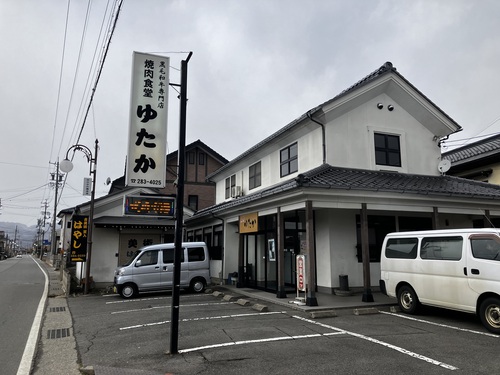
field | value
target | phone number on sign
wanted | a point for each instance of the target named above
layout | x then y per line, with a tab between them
144	182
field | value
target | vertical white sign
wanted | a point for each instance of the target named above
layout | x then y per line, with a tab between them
87	186
301	273
147	144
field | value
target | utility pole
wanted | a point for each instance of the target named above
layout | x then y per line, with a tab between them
56	180
44	212
179	209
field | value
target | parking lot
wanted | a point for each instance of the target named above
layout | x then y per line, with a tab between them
226	336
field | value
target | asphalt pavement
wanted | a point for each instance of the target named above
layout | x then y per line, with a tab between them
57	352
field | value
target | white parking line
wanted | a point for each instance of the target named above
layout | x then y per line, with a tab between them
282	338
203	318
145	299
397	348
440	325
166	307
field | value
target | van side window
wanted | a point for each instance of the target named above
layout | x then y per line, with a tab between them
149	258
168	256
442	248
196	254
402	248
485	248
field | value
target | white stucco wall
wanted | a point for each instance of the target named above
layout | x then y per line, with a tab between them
309	156
351	144
104	260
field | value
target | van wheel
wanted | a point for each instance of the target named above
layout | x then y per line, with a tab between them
408	300
197	285
128	291
489	312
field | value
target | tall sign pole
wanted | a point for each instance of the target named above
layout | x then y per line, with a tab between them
174	321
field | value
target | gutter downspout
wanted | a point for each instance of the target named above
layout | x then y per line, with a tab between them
322	134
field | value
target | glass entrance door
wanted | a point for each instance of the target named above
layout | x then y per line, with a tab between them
260	262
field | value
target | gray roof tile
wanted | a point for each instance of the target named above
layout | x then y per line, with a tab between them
482	148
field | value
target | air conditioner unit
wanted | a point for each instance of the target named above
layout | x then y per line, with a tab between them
236	191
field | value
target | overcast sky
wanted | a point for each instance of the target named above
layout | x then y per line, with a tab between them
256	66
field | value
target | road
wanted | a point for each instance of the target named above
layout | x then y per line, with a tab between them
22	294
218	336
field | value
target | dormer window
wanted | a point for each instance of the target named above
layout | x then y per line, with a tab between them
387	150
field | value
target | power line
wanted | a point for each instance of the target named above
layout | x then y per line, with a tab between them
108	43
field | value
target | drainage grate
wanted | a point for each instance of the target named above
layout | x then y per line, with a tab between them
57	309
57	333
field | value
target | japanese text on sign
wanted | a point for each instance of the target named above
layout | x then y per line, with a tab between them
149	205
301	273
148	121
78	247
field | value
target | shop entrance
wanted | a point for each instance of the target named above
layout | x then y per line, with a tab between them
260	252
260	262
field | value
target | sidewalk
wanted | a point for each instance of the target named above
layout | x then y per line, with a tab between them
57	352
326	302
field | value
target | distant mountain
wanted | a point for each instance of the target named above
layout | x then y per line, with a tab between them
25	236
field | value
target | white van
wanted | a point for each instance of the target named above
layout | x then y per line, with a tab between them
151	269
457	269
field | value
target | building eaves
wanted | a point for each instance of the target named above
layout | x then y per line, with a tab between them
337	178
386	68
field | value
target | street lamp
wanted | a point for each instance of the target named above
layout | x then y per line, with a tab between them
66	166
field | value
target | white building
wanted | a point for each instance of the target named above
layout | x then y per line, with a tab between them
331	184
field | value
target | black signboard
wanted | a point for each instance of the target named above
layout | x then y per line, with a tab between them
149	206
79	230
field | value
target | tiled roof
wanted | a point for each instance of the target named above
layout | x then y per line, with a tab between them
329	177
358	179
483	148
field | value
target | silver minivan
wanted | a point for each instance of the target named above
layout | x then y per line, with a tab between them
151	269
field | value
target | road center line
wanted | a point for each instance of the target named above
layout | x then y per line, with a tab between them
440	325
397	348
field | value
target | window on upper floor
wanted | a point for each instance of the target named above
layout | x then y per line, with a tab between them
201	158
193	202
254	176
289	162
230	183
190	156
387	150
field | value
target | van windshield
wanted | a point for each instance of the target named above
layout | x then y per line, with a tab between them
131	259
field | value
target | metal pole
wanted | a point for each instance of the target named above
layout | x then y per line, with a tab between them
93	171
365	250
174	321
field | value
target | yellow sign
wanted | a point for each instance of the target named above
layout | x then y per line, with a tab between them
249	223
